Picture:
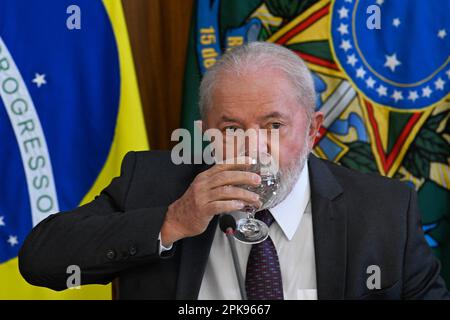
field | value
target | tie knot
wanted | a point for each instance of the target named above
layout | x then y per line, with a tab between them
265	216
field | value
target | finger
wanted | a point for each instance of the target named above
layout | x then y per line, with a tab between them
234	178
234	193
222	206
239	163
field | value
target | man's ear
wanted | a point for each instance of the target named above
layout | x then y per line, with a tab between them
316	123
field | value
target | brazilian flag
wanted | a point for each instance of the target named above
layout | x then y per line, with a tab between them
381	71
68	96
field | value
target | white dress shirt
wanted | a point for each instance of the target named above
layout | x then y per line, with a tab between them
292	235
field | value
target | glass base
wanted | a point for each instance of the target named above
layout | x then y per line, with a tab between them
251	231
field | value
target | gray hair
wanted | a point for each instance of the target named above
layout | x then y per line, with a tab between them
256	55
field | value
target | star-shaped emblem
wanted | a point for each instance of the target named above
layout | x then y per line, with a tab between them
12	240
382	90
345	45
343	28
442	33
413	96
396	22
370	82
439	84
351	60
426	92
392	62
343	12
360	73
39	79
397	95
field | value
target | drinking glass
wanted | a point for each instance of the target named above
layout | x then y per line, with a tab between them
250	230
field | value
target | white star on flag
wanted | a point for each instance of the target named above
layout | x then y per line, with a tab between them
343	12
426	92
380	2
370	82
392	62
397	95
439	84
442	33
396	22
413	96
352	60
12	240
39	79
343	28
2	222
382	90
360	73
345	45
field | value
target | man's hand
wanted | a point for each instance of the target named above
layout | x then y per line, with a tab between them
212	192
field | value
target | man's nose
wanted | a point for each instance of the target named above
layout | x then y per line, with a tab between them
256	142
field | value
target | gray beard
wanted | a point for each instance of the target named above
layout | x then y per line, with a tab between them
290	175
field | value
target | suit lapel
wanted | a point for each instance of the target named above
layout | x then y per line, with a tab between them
330	230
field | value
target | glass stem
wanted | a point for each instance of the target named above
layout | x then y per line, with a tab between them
251	212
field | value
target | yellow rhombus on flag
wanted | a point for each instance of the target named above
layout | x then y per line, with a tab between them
78	92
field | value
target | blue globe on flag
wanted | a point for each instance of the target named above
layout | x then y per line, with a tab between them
388	72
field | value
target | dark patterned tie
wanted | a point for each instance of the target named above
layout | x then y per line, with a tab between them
263	276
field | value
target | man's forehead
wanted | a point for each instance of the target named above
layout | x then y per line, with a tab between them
246	96
254	75
253	90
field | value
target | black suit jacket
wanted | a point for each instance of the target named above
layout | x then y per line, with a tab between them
358	220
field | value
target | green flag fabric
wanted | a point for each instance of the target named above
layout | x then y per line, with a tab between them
386	107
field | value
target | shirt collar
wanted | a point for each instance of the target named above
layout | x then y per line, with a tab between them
289	212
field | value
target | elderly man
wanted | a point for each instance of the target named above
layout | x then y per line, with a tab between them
334	233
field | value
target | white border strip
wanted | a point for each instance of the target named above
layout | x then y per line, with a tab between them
30	138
